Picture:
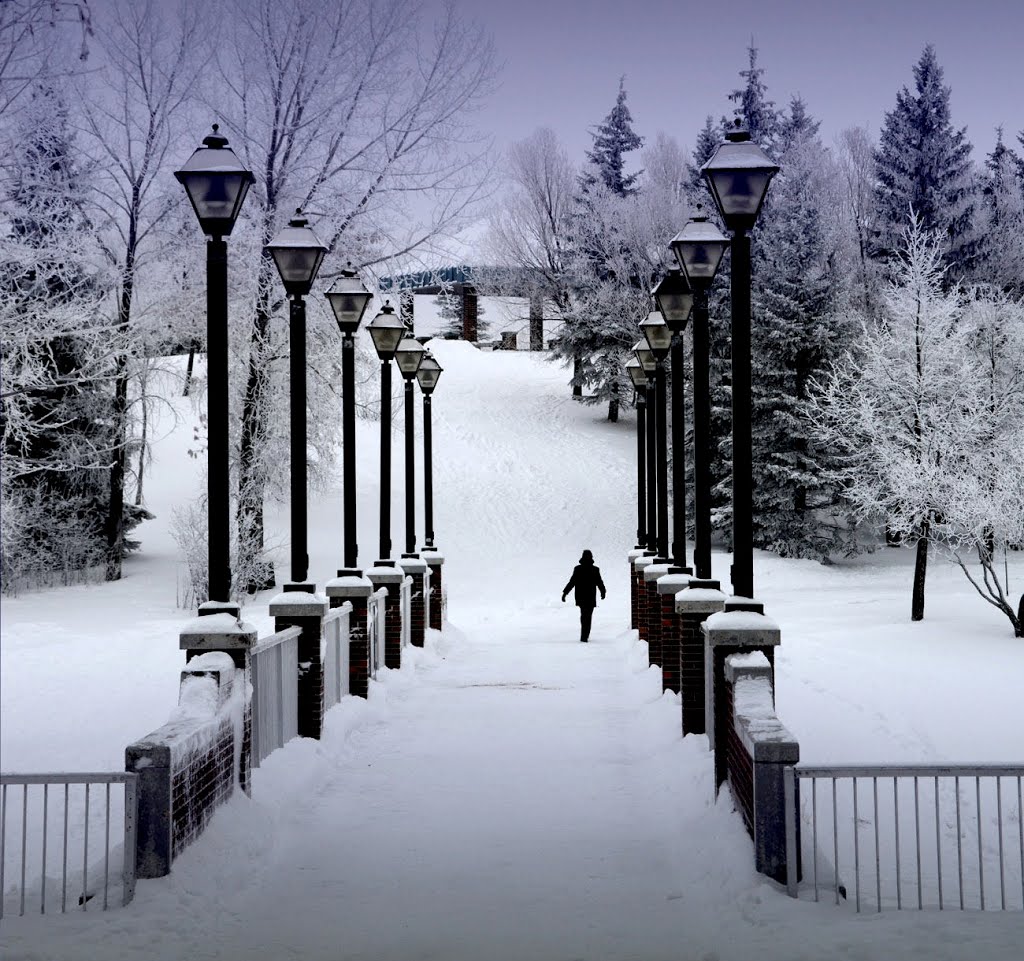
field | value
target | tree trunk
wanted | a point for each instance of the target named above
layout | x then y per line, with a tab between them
577	387
1019	626
613	406
258	572
892	538
188	369
920	568
142	443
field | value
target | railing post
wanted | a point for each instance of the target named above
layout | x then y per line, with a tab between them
352	586
305	610
390	578
792	814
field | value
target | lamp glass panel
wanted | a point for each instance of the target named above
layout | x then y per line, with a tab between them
740	192
297	265
408	355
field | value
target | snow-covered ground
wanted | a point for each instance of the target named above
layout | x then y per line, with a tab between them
510	793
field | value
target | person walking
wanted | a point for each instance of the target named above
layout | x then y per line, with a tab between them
585	582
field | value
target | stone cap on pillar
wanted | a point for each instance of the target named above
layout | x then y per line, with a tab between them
432	556
219	607
741	629
216	632
642	562
750	664
653	571
379	576
699	600
298	604
412	565
673	583
634	554
349	585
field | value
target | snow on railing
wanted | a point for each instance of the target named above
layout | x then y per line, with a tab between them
405	602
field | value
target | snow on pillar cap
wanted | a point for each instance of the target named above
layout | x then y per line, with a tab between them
673	583
644	560
653	571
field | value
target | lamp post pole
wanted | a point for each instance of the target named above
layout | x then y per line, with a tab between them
349	299
660	409
218	496
738	174
701	434
637	376
699	248
645	358
427	375
217	184
409	356
298	253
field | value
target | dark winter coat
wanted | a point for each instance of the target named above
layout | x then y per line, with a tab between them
586	581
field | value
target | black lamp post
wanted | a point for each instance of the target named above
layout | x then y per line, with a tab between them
298	253
409	355
386	330
428	375
216	184
349	299
738	174
675	301
639	379
645	357
699	247
659	339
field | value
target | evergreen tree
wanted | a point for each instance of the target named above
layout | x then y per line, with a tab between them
449	310
797	301
797	126
1001	235
613	139
923	164
753	106
709	137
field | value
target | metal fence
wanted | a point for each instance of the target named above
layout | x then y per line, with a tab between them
49	869
275	692
945	836
336	663
375	611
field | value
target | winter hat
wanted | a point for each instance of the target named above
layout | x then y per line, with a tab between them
587	558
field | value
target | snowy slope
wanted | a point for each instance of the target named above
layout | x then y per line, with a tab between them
510	793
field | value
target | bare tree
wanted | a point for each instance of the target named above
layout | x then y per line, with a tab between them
145	81
856	161
346	110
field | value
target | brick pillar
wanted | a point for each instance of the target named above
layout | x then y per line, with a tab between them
416	568
469	314
668	587
536	322
229	633
725	633
639	565
306	610
652	610
693	607
632	556
351	586
438	605
390	578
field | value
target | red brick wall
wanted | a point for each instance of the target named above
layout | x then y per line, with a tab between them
204	780
739	764
393	628
436	597
418	611
634	616
691	672
641	604
723	701
652	610
669	643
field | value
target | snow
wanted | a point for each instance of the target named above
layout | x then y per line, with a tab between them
510	793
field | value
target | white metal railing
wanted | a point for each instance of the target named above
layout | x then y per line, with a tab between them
426	601
375	610
914	835
336	661
38	864
405	600
275	692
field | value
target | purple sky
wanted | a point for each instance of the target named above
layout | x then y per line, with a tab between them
847	58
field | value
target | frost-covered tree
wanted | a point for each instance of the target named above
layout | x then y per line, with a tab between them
898	409
613	138
358	111
754	108
1001	221
707	139
56	358
143	85
981	493
923	162
798	299
856	167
